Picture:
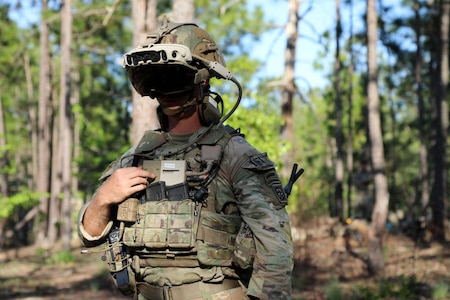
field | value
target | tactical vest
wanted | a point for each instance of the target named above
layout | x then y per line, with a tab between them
182	224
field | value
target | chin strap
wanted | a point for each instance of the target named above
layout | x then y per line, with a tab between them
186	106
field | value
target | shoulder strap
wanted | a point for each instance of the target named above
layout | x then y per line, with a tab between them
124	160
212	148
151	140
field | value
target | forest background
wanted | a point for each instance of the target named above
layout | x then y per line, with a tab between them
67	108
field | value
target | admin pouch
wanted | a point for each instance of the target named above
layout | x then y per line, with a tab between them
164	224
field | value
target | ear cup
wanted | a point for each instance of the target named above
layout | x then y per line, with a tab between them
209	111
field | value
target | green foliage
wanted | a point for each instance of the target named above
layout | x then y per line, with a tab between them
312	152
244	26
441	291
23	199
258	115
103	107
404	287
17	55
40	251
104	89
333	291
365	293
61	257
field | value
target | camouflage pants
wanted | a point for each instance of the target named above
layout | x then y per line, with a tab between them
227	290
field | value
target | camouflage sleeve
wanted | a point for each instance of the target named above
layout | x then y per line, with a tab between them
261	202
93	241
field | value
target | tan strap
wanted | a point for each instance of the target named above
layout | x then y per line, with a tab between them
175	261
185	291
214	236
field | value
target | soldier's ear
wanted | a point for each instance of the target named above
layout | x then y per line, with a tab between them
205	85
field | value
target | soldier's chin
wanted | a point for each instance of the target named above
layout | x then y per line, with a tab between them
172	110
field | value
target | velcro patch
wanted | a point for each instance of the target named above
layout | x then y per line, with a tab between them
259	162
273	180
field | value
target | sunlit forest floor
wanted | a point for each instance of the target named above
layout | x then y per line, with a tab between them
323	270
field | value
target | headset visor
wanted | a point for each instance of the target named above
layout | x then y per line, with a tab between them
166	79
160	69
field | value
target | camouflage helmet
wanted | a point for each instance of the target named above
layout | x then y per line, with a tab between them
196	39
172	59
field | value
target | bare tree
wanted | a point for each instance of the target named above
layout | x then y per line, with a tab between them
65	129
339	169
439	189
379	214
76	123
54	206
350	116
32	126
44	122
424	199
3	165
183	11
289	88
144	108
4	154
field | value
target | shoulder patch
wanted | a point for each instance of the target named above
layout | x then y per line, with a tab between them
240	140
258	162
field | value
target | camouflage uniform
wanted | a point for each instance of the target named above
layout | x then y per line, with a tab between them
246	188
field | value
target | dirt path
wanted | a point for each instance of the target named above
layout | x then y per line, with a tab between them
34	277
321	262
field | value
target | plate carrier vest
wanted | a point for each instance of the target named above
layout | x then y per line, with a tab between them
181	225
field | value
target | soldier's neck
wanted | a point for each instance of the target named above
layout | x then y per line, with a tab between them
184	124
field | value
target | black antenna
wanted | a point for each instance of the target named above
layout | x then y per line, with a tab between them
294	176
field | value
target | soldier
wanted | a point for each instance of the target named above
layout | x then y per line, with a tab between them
193	211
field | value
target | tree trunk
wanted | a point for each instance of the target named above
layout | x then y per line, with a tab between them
379	214
439	188
424	198
44	124
339	170
4	156
76	126
289	88
350	117
32	123
144	108
55	187
65	130
183	11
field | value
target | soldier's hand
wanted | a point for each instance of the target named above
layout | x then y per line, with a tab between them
123	183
